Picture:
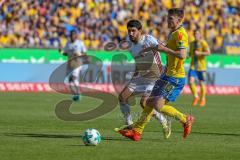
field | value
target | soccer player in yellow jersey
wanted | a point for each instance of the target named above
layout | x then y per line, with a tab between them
198	51
170	84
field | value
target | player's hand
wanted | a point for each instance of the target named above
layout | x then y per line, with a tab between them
197	53
59	49
160	47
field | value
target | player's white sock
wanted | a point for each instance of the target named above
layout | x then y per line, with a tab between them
125	108
161	118
74	85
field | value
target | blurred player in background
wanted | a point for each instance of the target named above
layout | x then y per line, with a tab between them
147	70
75	50
170	84
198	51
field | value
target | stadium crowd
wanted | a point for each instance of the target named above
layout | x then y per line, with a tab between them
45	23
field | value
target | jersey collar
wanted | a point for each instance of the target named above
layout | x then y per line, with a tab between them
169	35
177	29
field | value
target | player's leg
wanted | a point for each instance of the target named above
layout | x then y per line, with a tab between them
161	106
124	106
138	127
169	110
137	85
168	89
146	115
166	124
203	94
162	119
75	88
202	79
158	116
169	92
192	85
162	91
74	84
158	104
144	99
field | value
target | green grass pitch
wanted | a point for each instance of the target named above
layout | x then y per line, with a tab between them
30	130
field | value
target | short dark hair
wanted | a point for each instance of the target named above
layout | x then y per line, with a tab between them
196	30
134	23
73	32
176	11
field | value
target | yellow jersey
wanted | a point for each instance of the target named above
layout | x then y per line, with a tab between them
177	39
198	62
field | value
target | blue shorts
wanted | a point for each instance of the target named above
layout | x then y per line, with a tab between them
168	87
201	75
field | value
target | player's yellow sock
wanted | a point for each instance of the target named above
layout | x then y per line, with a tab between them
193	89
203	91
173	112
146	115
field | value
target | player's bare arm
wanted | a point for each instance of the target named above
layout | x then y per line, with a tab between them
182	53
161	48
205	53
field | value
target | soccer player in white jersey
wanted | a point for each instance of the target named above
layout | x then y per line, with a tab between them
75	50
148	68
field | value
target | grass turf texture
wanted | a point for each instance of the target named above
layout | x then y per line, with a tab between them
29	129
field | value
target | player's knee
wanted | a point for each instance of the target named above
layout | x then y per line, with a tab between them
166	102
201	82
121	98
191	81
143	103
149	102
159	103
161	106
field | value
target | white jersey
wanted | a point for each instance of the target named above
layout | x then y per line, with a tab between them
72	48
149	65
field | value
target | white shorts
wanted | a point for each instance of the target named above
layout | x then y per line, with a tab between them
76	72
141	85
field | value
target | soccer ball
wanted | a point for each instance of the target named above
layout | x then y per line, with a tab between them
91	137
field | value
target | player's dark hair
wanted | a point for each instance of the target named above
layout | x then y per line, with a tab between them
134	23
73	32
196	30
176	11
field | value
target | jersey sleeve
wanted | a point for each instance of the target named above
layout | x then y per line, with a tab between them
181	40
81	47
191	49
152	40
205	46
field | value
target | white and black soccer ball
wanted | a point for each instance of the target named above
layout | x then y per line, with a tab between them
91	137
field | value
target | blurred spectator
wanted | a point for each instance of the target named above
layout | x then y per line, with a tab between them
45	23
